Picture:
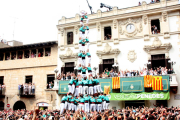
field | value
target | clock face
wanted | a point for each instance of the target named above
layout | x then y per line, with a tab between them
130	28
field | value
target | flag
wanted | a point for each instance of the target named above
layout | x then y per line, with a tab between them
115	82
106	90
148	81
157	83
132	84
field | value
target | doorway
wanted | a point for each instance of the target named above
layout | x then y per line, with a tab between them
69	67
1	105
135	103
107	64
19	105
158	60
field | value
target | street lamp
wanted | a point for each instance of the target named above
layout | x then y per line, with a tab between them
56	82
172	63
95	68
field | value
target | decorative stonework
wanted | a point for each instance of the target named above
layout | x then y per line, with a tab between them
63	19
146	37
62	31
76	45
77	17
164	16
157	45
61	47
166	35
115	23
76	29
115	10
132	56
69	54
120	30
98	26
145	19
116	41
99	12
140	28
144	5
99	43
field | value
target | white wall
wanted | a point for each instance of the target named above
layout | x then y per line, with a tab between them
173	23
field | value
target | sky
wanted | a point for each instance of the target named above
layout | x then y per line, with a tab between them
32	21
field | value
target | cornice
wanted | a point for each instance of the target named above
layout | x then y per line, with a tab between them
125	15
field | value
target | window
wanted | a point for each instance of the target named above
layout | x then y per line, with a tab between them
107	64
69	67
26	54
1	80
107	33
70	38
28	79
158	60
50	78
7	56
40	52
13	55
155	26
1	56
33	53
20	54
47	51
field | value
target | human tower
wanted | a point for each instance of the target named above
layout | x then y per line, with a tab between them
84	93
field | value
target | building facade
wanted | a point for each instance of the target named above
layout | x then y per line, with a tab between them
125	37
31	63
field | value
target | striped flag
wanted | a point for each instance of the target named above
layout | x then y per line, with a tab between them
115	82
157	83
148	81
106	90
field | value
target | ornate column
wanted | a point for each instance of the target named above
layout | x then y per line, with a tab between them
10	55
4	57
61	39
98	28
23	55
16	54
29	53
165	25
36	53
114	29
76	37
145	26
43	52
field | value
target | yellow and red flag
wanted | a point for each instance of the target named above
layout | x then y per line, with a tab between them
106	90
148	81
157	83
115	82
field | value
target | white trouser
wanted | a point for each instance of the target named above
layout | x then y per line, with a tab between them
80	90
87	33
75	107
80	60
89	60
83	75
81	106
96	107
83	48
62	106
86	107
107	105
83	35
95	89
70	88
69	106
104	105
76	92
88	45
29	90
72	106
99	89
99	108
92	106
73	89
85	90
80	47
84	62
66	105
87	21
91	90
81	23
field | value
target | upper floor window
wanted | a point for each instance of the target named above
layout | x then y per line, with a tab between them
155	26
50	81
70	38
33	53
1	80
47	51
40	52
1	56
7	56
20	54
28	79
107	33
13	55
26	54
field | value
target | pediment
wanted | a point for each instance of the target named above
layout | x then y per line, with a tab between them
69	54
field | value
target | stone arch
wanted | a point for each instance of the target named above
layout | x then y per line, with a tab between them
1	105
19	105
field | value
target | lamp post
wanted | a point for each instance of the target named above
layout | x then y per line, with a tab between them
95	68
56	81
172	63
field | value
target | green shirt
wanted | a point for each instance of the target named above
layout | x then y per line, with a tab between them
83	42
87	40
79	54
106	98
76	100
101	96
64	98
85	16
87	27
97	82
82	100
80	82
85	82
83	55
71	82
80	41
86	98
71	100
82	29
88	54
90	82
82	19
107	73
69	97
89	68
83	70
92	100
99	100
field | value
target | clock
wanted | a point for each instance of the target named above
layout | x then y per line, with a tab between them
130	28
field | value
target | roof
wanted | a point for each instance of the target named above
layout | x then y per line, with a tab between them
33	45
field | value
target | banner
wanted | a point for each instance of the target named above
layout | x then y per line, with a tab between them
140	96
132	84
148	81
166	84
106	90
157	83
115	82
63	87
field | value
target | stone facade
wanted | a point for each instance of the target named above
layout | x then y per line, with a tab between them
14	72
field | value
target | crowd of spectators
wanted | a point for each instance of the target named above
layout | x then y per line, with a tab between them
154	30
2	89
152	1
67	76
50	85
26	89
128	113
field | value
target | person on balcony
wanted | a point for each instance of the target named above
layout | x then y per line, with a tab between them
33	89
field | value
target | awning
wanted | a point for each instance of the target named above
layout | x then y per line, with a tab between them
43	104
173	80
